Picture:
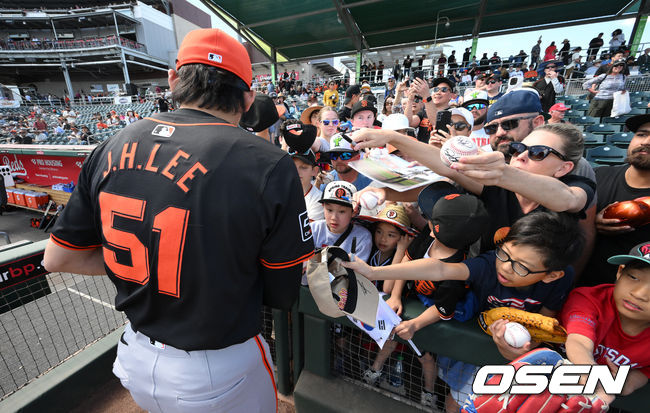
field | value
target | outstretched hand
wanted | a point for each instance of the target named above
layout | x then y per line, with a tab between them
359	266
486	168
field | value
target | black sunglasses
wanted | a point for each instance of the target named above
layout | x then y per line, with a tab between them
459	125
491	82
443	89
506	125
535	152
344	156
550	67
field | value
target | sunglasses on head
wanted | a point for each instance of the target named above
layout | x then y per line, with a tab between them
344	156
334	122
477	106
443	89
459	125
535	152
506	125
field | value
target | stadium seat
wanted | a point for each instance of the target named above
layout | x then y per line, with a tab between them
639	104
574	113
606	155
637	111
591	139
621	139
581	105
602	129
586	120
618	120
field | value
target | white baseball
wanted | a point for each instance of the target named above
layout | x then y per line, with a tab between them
457	147
516	335
368	200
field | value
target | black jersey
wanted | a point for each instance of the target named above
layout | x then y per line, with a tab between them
199	221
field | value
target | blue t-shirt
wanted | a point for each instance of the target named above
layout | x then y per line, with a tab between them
361	182
491	293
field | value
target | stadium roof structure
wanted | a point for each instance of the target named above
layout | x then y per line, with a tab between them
306	29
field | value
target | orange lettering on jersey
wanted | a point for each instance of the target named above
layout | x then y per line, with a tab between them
149	167
128	155
110	162
173	164
190	175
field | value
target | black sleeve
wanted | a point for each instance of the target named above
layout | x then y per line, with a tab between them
420	244
76	229
585	184
447	295
288	242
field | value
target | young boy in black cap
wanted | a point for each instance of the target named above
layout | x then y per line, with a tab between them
455	222
363	114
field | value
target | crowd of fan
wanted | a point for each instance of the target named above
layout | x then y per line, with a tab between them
531	178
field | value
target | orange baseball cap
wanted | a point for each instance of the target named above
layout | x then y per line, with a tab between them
214	47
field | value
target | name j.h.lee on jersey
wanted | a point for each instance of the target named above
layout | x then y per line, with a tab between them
169	168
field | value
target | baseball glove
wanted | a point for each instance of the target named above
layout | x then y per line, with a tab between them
541	328
544	402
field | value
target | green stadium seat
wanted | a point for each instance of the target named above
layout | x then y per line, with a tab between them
602	129
586	120
621	139
591	139
606	155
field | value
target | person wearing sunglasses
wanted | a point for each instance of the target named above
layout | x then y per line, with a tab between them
476	101
606	84
461	125
535	179
549	86
493	87
434	100
341	153
327	123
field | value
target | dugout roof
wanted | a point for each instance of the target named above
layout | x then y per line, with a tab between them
316	28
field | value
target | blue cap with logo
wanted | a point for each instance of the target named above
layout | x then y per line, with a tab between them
515	103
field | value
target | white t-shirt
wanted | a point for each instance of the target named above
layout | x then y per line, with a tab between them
480	137
314	208
70	116
323	237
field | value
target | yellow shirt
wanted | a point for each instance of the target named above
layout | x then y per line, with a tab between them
331	98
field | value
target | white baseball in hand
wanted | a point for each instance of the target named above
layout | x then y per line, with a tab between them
457	147
516	335
368	200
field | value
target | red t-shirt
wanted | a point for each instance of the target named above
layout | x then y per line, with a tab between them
591	312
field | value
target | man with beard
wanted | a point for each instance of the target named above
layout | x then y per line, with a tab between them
476	101
620	183
434	100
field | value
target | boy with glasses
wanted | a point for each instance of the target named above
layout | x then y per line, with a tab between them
529	270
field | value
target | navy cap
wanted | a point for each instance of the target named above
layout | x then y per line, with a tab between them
514	103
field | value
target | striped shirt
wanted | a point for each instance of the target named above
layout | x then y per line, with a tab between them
608	85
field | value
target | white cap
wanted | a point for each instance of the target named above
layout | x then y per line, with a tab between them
396	121
339	144
464	113
475	94
339	192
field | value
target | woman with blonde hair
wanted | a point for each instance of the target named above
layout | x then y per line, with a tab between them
328	122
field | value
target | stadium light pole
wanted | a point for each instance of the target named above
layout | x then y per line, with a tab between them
438	19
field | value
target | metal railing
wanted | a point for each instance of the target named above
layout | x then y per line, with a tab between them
49	44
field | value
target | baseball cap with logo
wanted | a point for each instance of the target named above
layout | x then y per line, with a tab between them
339	291
341	143
261	115
339	192
514	103
214	47
351	91
363	105
640	252
559	106
459	220
393	214
475	96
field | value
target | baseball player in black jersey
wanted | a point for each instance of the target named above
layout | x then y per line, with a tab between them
197	223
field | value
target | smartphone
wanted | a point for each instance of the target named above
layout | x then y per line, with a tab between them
443	118
419	74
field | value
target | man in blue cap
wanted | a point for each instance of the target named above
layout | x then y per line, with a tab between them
512	118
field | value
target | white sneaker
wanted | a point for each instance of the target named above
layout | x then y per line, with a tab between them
428	399
371	377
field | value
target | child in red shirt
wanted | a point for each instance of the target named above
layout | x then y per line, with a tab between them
609	324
